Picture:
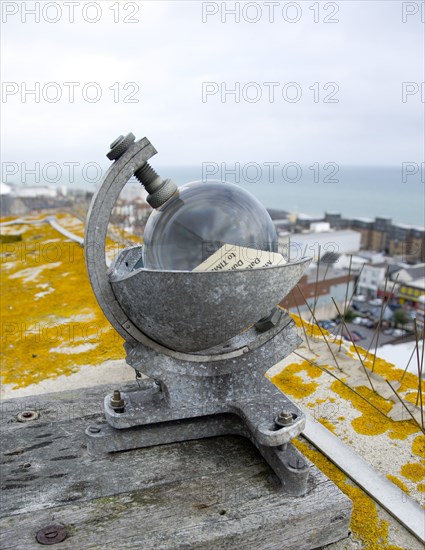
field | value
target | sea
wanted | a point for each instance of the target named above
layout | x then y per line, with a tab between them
354	192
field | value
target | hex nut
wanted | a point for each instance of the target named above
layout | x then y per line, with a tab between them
266	323
285	418
117	402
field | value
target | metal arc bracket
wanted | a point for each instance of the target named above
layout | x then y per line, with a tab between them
95	238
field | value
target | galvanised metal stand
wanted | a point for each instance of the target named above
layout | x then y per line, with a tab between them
186	331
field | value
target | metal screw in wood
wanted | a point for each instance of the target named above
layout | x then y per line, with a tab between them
52	534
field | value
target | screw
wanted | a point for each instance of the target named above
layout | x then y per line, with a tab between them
285	418
94	429
296	462
27	416
117	402
159	190
52	534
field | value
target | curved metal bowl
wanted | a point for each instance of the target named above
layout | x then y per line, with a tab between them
192	311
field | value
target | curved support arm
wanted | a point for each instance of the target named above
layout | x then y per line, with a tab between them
95	238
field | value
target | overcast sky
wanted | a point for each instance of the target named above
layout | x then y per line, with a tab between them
361	60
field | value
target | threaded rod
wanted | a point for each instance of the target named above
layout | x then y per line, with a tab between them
147	176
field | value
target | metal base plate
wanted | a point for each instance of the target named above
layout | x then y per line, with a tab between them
288	464
148	419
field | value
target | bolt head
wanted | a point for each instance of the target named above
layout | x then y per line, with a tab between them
297	463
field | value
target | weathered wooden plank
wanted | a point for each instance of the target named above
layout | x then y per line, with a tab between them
59	406
212	493
213	512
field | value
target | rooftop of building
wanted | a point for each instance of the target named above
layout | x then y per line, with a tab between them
326	272
56	339
334	232
418	283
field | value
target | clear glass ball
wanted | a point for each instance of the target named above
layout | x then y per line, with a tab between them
199	219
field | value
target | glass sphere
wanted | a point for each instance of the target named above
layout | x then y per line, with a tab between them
199	219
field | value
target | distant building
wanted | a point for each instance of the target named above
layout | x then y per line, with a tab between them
408	273
32	191
351	262
398	236
380	233
372	257
415	247
420	315
410	293
336	220
304	221
331	283
5	199
370	279
277	214
364	226
405	241
335	242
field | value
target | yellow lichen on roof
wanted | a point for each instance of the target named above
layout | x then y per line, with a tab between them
413	471
418	446
51	323
365	522
414	397
289	382
350	409
328	424
397	481
371	422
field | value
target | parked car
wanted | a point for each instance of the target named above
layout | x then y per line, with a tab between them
358	334
351	337
399	332
363	321
327	325
395	332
